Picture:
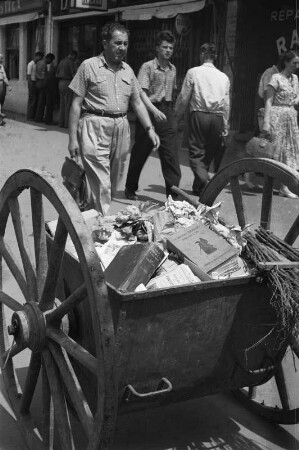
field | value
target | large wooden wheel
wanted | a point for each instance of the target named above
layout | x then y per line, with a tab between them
277	399
49	359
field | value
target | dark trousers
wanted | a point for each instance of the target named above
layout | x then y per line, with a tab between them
32	99
205	145
168	152
41	100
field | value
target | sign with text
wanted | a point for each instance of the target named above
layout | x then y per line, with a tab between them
91	4
10	7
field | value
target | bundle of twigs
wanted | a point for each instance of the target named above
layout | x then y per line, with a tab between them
264	246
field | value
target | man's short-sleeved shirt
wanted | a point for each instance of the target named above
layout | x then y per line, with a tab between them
159	82
104	89
66	69
31	70
265	78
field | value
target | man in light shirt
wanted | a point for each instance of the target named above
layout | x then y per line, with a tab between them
206	92
31	77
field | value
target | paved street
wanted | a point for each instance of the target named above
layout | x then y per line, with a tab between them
217	422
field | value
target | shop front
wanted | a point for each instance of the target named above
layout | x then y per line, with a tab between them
22	32
265	29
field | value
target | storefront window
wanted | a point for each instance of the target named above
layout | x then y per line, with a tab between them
12	51
82	38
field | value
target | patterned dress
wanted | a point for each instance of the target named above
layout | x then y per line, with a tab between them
283	120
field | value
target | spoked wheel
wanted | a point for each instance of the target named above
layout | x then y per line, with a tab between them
277	400
57	364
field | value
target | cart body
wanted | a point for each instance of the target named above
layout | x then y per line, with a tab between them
203	338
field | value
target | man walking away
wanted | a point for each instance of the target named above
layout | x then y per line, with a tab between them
103	87
206	92
31	77
158	80
65	72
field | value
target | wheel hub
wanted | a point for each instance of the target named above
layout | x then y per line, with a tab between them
29	327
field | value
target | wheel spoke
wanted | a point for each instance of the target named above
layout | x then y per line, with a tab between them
252	392
73	300
10	302
39	234
282	388
31	381
267	202
48	412
73	348
238	201
293	232
61	413
13	351
23	247
73	387
16	271
56	256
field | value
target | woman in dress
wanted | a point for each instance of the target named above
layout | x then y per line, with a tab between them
280	121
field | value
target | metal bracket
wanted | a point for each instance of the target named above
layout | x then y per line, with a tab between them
161	390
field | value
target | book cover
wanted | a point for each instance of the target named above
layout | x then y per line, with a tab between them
201	246
133	265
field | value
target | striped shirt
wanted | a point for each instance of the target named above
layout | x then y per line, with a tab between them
104	89
159	82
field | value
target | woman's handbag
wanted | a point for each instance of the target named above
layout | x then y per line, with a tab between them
75	180
260	147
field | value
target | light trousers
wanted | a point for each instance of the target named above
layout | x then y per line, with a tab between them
104	145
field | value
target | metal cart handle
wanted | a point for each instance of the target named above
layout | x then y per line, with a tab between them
163	381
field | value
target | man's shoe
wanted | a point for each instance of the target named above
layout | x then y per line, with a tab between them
131	195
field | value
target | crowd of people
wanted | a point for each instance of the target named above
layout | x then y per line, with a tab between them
103	88
94	98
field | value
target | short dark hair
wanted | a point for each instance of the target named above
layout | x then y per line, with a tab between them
40	54
208	50
74	53
286	57
164	35
50	56
109	28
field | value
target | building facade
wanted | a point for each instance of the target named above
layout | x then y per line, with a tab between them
59	26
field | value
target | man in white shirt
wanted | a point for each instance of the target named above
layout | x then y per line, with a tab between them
206	91
32	93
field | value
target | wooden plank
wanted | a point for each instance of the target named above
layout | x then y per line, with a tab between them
268	265
238	201
267	202
30	383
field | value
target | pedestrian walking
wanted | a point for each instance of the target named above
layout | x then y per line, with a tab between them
32	93
4	84
205	91
280	121
103	87
157	78
65	72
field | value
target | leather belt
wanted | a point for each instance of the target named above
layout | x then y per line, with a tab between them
104	113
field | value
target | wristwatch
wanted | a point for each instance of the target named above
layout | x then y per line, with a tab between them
150	128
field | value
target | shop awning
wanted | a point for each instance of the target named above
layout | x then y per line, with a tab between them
147	12
21	18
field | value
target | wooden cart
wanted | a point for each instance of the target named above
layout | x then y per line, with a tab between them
76	353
